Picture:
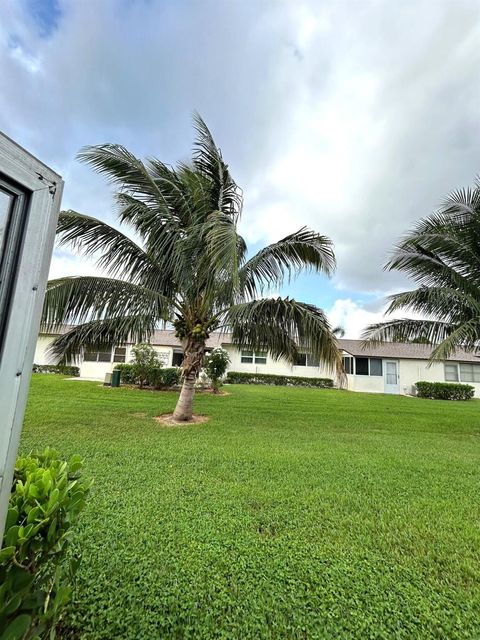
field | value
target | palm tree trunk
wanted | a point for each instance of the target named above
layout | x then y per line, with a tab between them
184	409
192	362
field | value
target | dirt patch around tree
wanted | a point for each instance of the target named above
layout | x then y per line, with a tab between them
167	420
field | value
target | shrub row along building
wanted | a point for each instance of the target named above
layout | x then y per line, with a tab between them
388	368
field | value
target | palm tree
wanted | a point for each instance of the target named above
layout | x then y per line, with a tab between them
442	255
338	331
190	267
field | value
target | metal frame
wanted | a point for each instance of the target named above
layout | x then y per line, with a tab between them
44	189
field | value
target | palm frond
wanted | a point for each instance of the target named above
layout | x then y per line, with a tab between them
406	330
302	250
102	334
118	254
279	325
123	169
464	336
441	254
207	159
451	304
77	299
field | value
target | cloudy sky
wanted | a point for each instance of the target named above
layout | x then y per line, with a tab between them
353	117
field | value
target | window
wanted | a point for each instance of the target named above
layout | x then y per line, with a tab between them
348	364
260	357
361	366
312	361
97	356
119	354
366	366
375	367
13	217
306	360
470	372
257	357
451	372
247	357
301	360
177	358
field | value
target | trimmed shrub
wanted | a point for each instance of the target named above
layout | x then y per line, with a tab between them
62	369
127	375
154	377
36	577
444	390
236	377
171	376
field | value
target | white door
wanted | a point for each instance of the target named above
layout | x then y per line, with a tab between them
391	376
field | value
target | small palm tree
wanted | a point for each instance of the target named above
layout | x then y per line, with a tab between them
442	255
190	267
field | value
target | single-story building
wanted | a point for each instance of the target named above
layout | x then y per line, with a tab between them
391	367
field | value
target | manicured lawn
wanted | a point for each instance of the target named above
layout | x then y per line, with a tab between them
293	513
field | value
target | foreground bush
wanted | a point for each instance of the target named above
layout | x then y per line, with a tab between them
35	575
236	377
64	370
444	390
156	377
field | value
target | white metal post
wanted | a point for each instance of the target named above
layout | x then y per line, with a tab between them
43	189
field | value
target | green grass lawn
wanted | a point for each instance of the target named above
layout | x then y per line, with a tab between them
293	513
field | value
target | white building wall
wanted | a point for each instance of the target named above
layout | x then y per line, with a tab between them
94	370
273	367
412	371
165	354
41	355
98	370
368	384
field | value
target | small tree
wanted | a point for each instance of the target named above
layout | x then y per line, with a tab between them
145	359
215	365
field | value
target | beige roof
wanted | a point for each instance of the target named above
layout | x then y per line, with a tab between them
167	338
161	337
410	351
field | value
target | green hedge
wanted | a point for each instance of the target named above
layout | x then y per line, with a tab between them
36	576
127	374
158	376
62	369
236	377
444	390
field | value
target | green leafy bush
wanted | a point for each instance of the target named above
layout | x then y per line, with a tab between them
236	377
215	365
171	376
35	575
157	377
145	363
127	375
444	390
64	370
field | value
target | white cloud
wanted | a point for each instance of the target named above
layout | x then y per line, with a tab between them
353	118
352	317
65	263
